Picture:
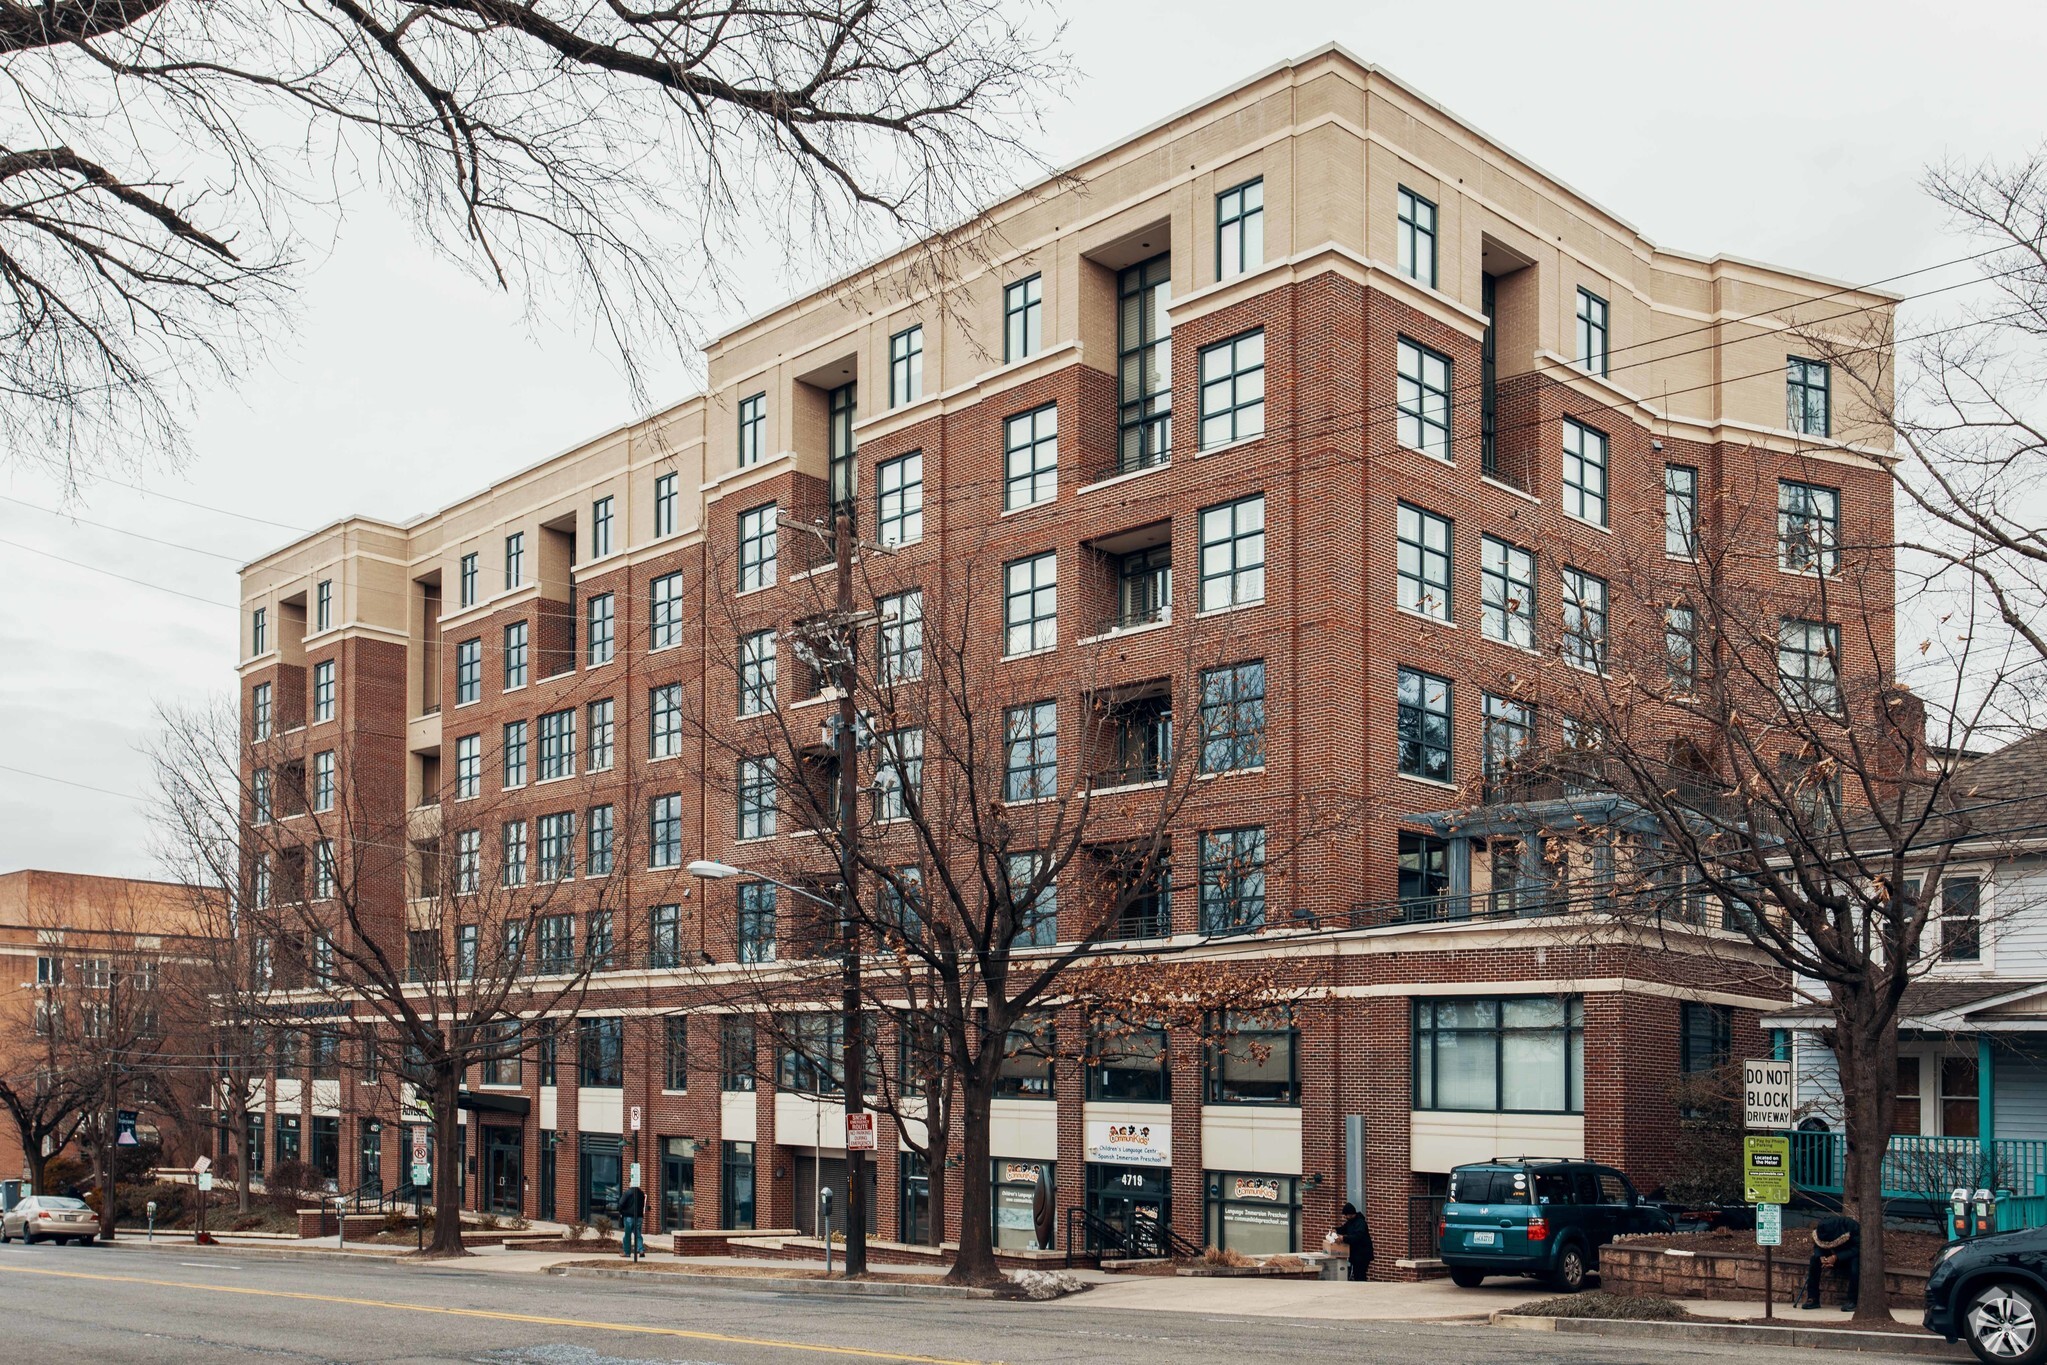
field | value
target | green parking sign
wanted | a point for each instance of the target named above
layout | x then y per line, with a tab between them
1766	1170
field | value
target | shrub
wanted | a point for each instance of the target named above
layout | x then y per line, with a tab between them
1286	1263
1226	1256
577	1227
294	1184
1601	1304
63	1174
603	1225
173	1202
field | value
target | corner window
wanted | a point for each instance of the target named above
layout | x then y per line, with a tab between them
1424	726
1233	390
1422	399
1030	455
1584	472
1423	561
1415	238
1030	604
1591	332
1240	229
1233	553
1023	318
1807	402
753	426
906	367
1518	1054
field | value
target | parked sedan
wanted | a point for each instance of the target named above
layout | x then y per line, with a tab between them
1992	1293
50	1218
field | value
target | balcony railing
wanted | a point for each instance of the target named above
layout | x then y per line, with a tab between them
1134	773
1133	615
1929	1168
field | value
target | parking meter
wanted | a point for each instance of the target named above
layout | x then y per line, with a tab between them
1958	1214
824	1208
1986	1215
150	1209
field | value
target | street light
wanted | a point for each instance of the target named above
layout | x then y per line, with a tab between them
712	872
709	871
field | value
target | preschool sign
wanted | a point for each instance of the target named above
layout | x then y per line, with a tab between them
1130	1144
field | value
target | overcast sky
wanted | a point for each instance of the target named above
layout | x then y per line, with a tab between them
1792	133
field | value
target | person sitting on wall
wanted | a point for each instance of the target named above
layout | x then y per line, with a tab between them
1836	1246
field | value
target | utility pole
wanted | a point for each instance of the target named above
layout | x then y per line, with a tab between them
853	1034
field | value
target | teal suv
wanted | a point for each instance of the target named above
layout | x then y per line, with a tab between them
1539	1217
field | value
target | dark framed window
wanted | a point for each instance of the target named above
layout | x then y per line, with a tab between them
756	921
1144	365
1030	457
1253	1058
1030	604
812	1056
468	672
1425	726
1233	390
600	941
1232	880
599	747
1422	561
1031	742
664	612
664	505
664	831
1415	238
466	577
1233	553
557	745
913	1199
1806	674
664	721
757	797
1233	717
1025	1071
557	936
1584	620
546	1055
906	366
1422	399
1705	1036
736	1062
1961	919
1127	1061
1591	332
323	780
600	629
664	937
1808	406
600	1052
898	772
1680	511
558	848
753	429
515	655
757	547
514	754
1515	1054
1681	645
323	691
675	1053
259	631
468	862
901	636
600	528
1240	229
757	673
1424	861
515	560
1256	1214
899	498
1023	318
1808	527
1584	472
1506	577
512	853
259	711
1037	914
735	1184
1509	733
842	471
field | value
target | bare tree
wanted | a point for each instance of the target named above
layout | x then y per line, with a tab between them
159	160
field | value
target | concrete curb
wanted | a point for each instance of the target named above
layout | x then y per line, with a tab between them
871	1289
270	1254
1741	1334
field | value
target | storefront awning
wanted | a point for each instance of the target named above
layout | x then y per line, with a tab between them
493	1104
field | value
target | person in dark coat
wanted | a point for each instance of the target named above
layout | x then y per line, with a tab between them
632	1212
1356	1234
1836	1246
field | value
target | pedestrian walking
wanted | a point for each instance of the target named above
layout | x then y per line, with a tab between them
1356	1235
632	1212
1836	1246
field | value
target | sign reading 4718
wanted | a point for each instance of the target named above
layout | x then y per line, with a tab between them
1767	1088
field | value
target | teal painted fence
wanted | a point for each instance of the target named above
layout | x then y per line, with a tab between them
1926	1167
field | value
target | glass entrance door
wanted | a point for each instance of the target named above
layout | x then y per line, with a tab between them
1132	1204
599	1166
678	1183
504	1170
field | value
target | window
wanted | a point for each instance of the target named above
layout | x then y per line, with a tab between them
1806	654
597	842
515	655
601	622
466	576
468	861
1423	399
1423	562
899	770
515	560
1023	318
841	470
1127	1061
664	831
1509	731
259	711
1031	604
1705	1036
512	843
1808	527
1252	1056
899	515
1591	332
1681	646
468	672
901	636
515	754
756	798
1681	511
259	631
1521	1054
259	797
664	505
600	1052
557	932
557	745
1415	238
1233	390
1025	1071
813	1054
557	847
1806	408
1240	229
1424	726
1584	620
664	617
753	425
906	367
1584	472
600	528
324	876
1031	734
1030	452
323	690
664	937
901	901
675	1053
664	721
323	780
756	677
1506	593
757	548
323	604
735	1054
1144	365
1232	880
1233	553
756	922
735	1184
1037	910
1961	919
1233	717
600	745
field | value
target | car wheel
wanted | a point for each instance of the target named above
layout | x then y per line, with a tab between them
1464	1277
28	1237
2006	1324
1568	1276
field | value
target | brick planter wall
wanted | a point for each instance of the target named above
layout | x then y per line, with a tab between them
1726	1275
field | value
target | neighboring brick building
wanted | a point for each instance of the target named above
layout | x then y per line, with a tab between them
1412	373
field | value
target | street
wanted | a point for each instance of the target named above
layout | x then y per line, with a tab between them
129	1304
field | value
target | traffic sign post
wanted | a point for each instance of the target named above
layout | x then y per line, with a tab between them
860	1132
1766	1160
1769	1225
1766	1092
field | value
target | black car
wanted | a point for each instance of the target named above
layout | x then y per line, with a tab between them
1992	1293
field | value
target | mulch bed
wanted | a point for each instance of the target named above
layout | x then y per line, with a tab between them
1908	1251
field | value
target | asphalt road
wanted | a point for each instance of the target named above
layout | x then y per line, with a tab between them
112	1304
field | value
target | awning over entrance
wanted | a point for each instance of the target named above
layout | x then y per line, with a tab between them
493	1104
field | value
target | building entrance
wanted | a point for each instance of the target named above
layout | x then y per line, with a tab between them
504	1170
1130	1205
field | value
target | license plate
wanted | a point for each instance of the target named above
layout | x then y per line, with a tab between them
1484	1239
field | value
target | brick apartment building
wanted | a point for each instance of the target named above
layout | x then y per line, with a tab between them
1310	382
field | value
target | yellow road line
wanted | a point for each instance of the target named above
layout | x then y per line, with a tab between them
531	1318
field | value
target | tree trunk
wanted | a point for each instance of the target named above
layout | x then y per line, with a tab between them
109	1136
1867	1054
447	1165
975	1263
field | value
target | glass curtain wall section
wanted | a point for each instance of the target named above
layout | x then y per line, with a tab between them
1144	365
